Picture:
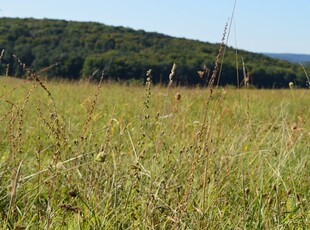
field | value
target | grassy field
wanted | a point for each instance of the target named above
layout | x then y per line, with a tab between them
83	156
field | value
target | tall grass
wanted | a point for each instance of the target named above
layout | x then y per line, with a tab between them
240	164
77	155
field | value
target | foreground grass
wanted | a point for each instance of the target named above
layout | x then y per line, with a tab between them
139	158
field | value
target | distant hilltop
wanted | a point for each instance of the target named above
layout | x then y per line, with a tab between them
294	58
88	50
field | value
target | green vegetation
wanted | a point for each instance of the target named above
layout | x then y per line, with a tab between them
102	155
108	156
81	48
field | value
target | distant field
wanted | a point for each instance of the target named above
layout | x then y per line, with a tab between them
82	156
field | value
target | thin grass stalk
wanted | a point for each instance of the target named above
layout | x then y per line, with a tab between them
224	51
246	80
205	133
92	108
2	54
171	75
211	82
34	76
216	67
308	80
12	205
146	102
214	74
236	60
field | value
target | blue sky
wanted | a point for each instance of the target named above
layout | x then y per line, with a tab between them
280	26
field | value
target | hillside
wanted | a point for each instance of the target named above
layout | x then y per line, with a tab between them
81	48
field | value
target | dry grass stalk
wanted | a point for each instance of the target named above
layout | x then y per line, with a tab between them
216	66
174	66
2	54
213	76
31	75
171	75
148	92
15	182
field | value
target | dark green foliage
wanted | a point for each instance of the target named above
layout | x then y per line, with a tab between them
81	48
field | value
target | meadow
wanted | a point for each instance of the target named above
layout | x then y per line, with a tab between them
78	155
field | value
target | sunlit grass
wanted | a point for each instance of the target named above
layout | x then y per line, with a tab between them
149	161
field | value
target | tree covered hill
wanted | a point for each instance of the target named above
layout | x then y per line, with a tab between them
81	48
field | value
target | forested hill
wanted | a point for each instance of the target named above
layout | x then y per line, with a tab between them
81	48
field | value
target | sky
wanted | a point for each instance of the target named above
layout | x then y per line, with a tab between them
277	26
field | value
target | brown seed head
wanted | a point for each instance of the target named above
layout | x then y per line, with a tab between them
177	96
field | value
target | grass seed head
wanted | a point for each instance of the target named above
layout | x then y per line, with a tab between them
101	157
177	96
291	85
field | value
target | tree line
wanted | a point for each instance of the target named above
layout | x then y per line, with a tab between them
88	49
